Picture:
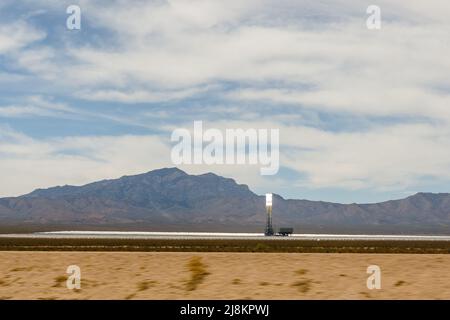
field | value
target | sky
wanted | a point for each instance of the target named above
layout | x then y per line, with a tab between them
363	114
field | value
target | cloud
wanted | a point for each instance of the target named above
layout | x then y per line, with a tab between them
384	157
394	158
37	106
27	163
356	108
18	35
43	106
387	157
168	51
162	49
141	96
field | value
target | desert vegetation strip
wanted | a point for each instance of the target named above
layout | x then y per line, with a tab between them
232	245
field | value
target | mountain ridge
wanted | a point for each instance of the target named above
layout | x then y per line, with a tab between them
169	198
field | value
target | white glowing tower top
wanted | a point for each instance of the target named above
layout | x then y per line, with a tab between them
268	199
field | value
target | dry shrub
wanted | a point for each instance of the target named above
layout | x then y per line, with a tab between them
59	280
303	285
198	273
144	285
400	283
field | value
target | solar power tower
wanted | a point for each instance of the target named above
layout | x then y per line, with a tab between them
269	228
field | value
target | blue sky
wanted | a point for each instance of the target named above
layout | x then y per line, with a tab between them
363	114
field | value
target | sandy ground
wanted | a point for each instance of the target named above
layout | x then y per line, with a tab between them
123	275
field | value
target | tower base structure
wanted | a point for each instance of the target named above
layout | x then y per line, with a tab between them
269	228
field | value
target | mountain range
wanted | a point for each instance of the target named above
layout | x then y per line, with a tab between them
171	200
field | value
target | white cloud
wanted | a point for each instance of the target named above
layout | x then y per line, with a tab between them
140	96
27	163
383	157
318	57
386	157
394	157
40	61
165	49
18	35
37	106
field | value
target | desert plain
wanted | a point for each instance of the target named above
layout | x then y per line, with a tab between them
222	275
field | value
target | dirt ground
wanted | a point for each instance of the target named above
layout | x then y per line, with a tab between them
173	275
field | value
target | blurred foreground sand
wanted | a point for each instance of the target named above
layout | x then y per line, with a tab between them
161	275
